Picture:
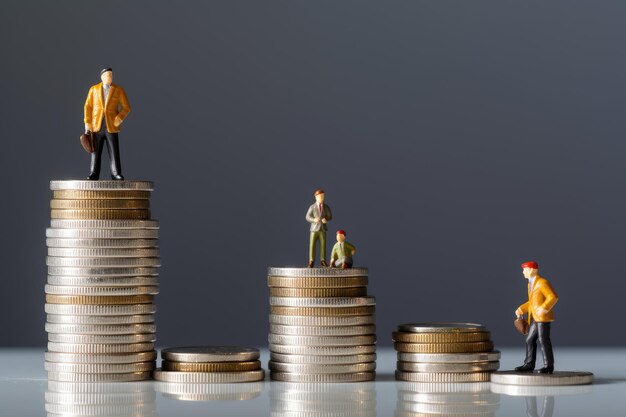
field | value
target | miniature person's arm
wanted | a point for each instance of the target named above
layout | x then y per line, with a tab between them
523	309
351	250
310	217
88	110
125	108
329	215
334	255
550	297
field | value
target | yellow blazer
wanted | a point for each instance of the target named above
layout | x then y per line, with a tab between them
115	109
540	295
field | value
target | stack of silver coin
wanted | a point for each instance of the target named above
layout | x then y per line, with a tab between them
444	352
321	325
103	260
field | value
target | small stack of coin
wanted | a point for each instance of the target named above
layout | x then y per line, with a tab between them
210	364
321	325
444	352
103	256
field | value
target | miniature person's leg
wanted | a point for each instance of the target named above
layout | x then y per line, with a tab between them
531	406
96	155
548	406
312	245
113	148
546	347
337	263
531	350
322	245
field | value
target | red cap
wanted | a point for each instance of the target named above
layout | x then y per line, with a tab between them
341	232
530	264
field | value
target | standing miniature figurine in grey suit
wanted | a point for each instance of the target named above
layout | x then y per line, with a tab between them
318	215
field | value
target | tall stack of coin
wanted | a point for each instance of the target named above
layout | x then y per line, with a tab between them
321	325
103	259
444	352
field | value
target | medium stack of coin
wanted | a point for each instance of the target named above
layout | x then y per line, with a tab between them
210	364
444	352
103	258
321	325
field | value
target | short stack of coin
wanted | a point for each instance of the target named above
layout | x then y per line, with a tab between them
321	325
210	365
444	352
103	259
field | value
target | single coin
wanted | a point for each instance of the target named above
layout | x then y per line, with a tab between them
317	282
207	392
307	368
440	337
100	214
348	377
443	388
316	272
100	310
449	357
102	262
100	348
326	360
322	340
559	378
322	350
468	347
102	358
209	377
448	409
102	243
102	233
100	291
101	185
211	366
99	300
75	377
448	367
100	329
102	272
107	204
101	339
318	292
443	377
441	327
541	390
322	321
101	195
323	301
103	281
194	354
323	311
322	330
100	368
73	319
104	252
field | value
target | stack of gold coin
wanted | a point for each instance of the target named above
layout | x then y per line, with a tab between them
103	258
321	325
444	352
209	364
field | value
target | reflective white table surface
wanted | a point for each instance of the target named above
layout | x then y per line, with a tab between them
25	391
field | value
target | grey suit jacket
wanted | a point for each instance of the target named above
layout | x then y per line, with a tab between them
313	212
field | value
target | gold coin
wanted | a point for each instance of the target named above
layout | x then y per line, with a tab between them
99	300
323	311
318	292
317	282
440	337
101	195
211	366
100	214
465	347
99	204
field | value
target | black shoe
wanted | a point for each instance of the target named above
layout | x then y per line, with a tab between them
117	177
545	370
93	177
527	367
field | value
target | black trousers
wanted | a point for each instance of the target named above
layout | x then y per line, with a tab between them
113	148
539	332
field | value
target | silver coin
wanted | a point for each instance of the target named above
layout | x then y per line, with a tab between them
443	388
100	310
449	357
554	379
212	397
102	262
475	398
102	272
101	388
109	410
307	368
195	354
322	340
100	329
103	224
322	350
104	252
327	360
101	339
295	377
75	377
443	377
323	301
317	272
72	319
99	368
213	391
101	185
322	330
94	348
360	392
102	243
100	291
541	390
448	409
326	408
87	398
322	321
209	377
102	358
441	327
60	233
448	367
103	281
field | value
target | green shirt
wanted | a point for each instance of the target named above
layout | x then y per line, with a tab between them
342	249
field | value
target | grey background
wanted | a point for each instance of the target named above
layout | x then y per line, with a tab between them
454	140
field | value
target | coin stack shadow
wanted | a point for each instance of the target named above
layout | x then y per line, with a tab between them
444	352
103	260
321	325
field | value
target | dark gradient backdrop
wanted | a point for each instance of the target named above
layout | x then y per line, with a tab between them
455	139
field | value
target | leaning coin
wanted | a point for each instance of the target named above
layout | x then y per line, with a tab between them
557	378
53	242
448	367
100	291
75	377
102	204
441	337
295	377
323	311
103	281
322	340
211	366
99	320
322	330
322	321
100	214
102	358
104	252
101	185
97	310
101	339
99	300
305	368
100	348
101	195
327	360
100	329
468	347
443	377
102	262
322	350
317	282
99	368
192	354
441	327
318	292
449	357
60	233
71	271
209	377
323	301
